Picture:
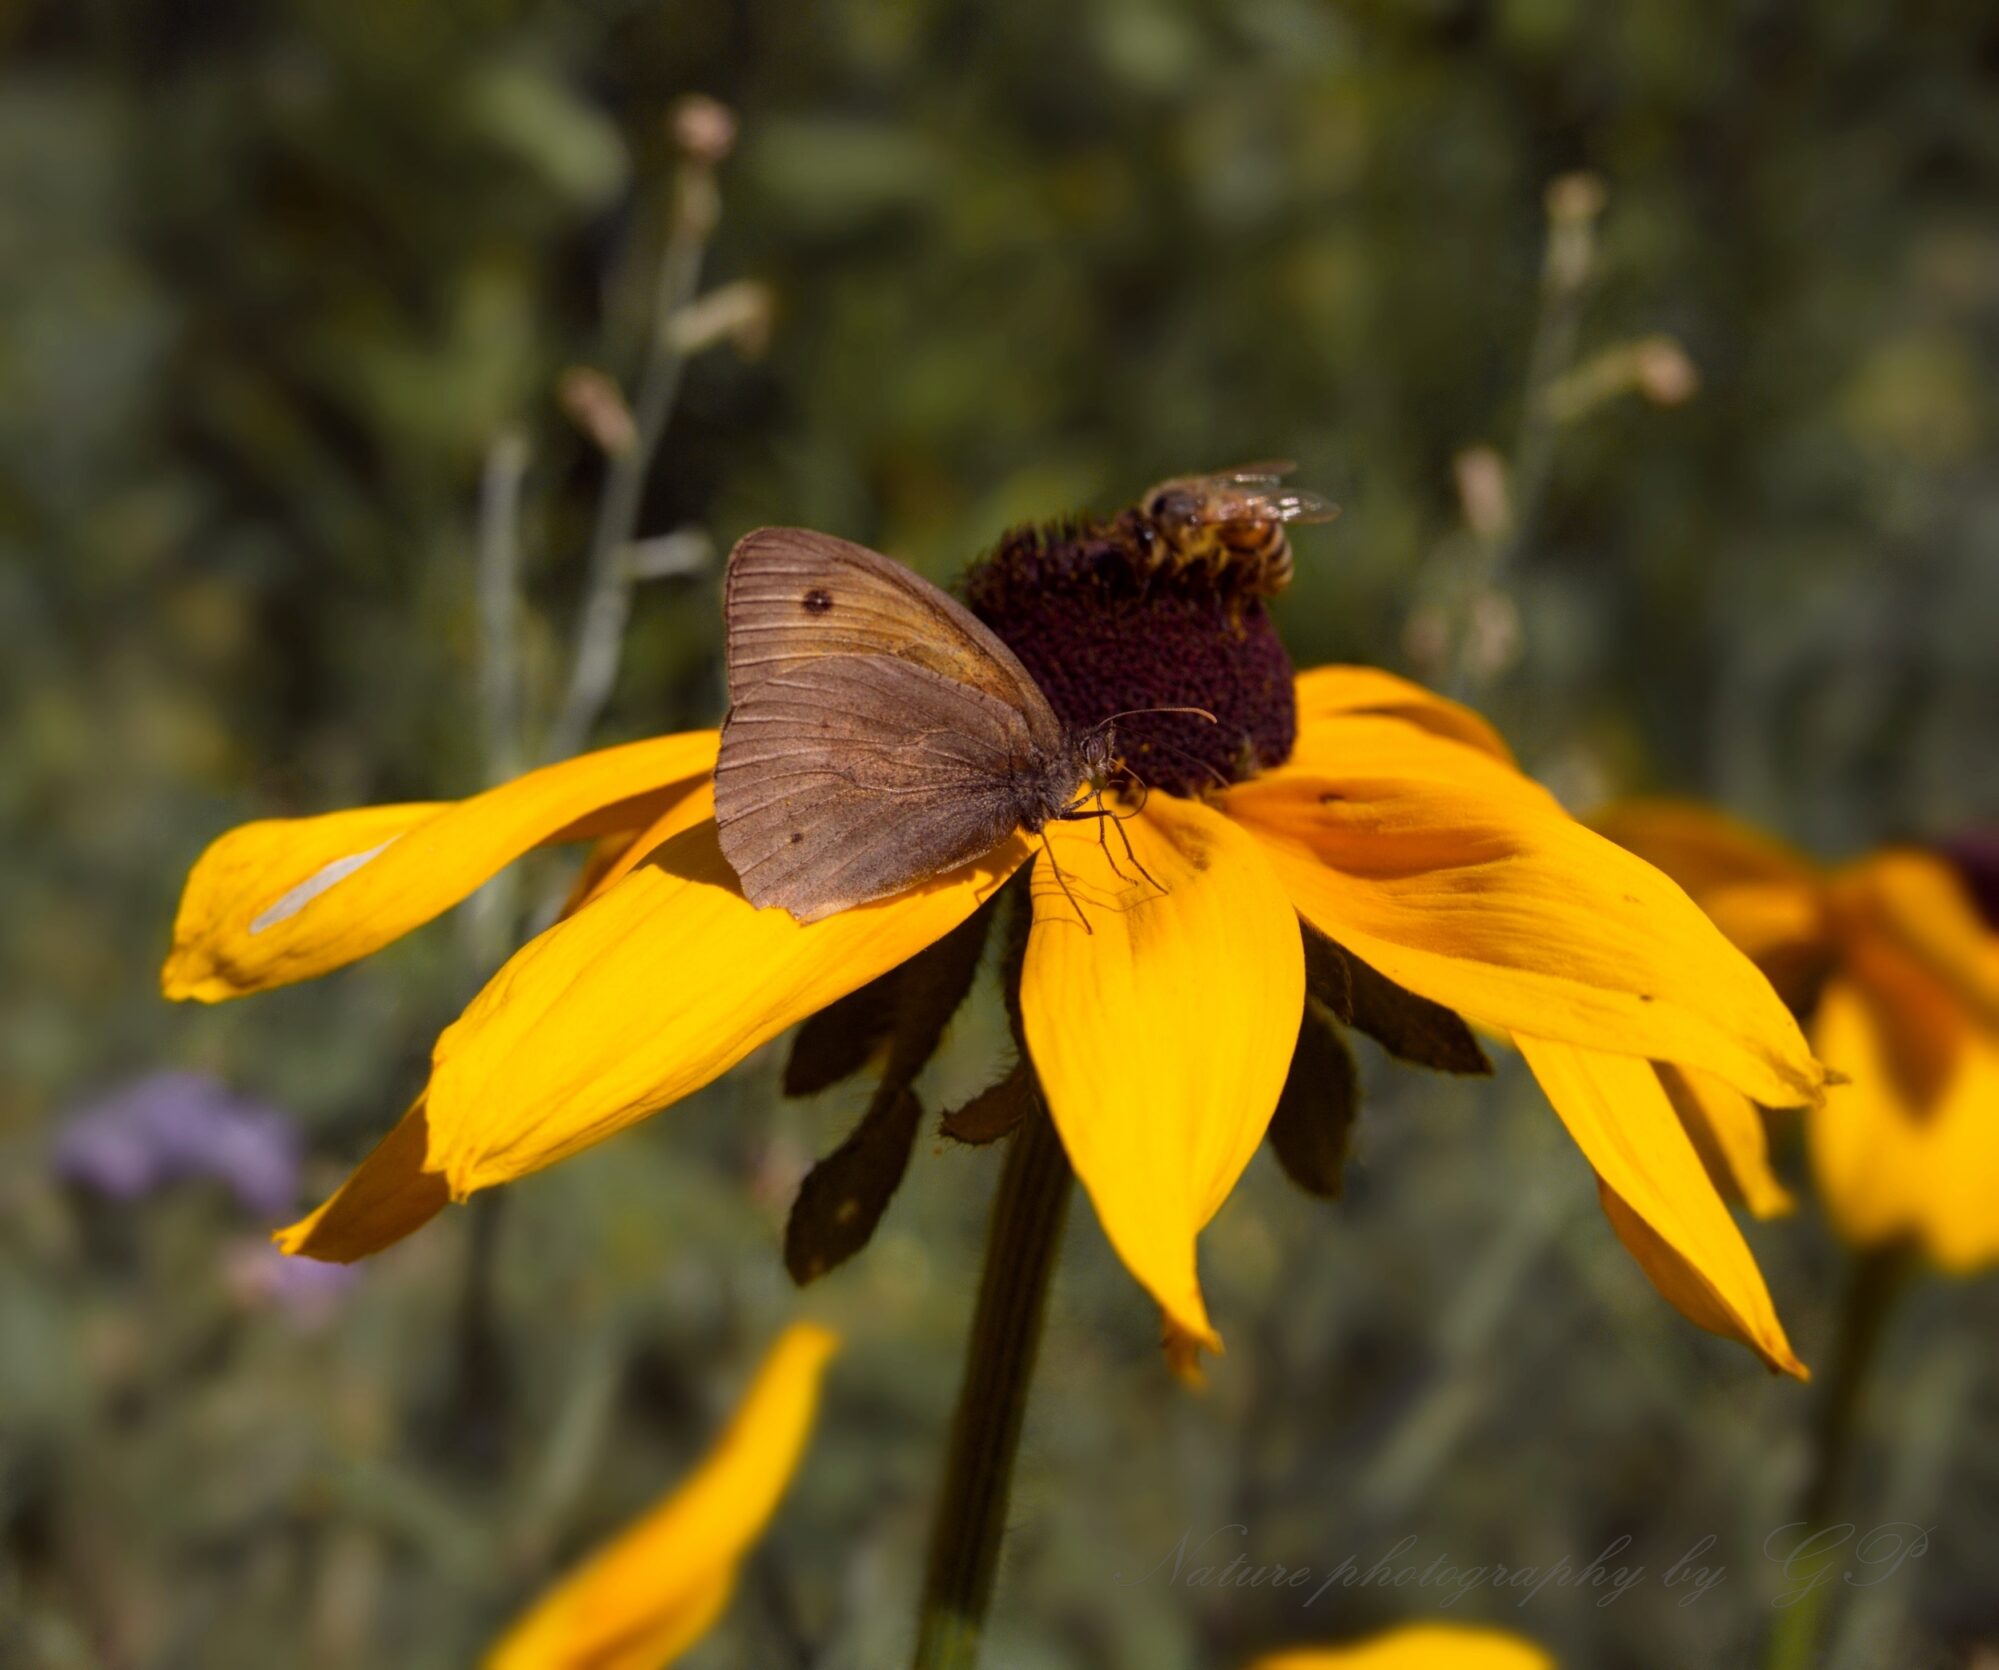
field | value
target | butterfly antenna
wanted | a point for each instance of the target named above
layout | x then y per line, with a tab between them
1137	782
1195	760
1134	712
1063	882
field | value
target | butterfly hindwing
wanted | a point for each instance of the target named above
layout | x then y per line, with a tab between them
878	734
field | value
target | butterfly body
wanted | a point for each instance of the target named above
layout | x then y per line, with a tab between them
878	734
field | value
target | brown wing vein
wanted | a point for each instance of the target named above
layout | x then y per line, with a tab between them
878	735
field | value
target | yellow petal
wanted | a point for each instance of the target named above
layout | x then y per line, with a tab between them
1183	1353
1672	1221
659	985
389	1196
1162	1034
1887	1168
1465	882
1959	1225
1768	899
1331	692
625	854
1868	1150
1731	1138
1920	904
1418	1647
1922	1027
1701	848
1781	928
285	899
646	1597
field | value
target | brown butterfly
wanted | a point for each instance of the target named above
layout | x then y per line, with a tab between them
878	733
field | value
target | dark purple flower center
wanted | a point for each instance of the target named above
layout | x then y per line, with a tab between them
1107	624
1975	853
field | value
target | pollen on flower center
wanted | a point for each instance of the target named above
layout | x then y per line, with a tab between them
1106	628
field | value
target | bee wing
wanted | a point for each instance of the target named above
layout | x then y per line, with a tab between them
1293	504
1265	472
1256	493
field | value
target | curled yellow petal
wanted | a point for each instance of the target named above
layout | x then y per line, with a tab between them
1162	1032
1184	1353
656	1588
1330	692
1463	881
390	1195
1731	1138
1418	1647
660	984
286	899
1671	1219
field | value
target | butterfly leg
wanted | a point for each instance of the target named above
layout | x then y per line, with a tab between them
1063	882
1101	814
1118	823
1103	841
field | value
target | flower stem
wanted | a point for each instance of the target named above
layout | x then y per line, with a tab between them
1022	1244
1874	1282
1568	269
607	601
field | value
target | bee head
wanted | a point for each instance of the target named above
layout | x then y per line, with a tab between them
1177	504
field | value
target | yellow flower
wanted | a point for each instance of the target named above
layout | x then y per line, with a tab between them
1899	975
1398	828
656	1588
1418	1647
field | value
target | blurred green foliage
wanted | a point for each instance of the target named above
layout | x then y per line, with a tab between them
273	281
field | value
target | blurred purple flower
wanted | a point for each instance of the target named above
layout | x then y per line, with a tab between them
174	1125
303	1290
1976	855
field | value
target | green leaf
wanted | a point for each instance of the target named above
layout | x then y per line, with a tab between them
571	144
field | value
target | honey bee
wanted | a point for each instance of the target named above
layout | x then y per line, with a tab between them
1228	525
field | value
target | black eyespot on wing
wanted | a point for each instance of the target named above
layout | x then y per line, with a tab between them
818	601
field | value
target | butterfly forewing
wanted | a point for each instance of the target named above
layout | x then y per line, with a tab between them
878	734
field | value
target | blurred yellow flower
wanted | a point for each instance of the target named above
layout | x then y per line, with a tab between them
1399	829
1418	1647
1898	974
656	1588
